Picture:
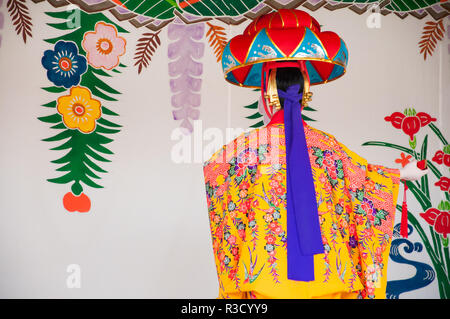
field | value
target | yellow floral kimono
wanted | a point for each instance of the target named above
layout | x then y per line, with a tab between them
246	197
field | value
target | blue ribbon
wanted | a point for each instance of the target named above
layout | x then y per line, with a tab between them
304	239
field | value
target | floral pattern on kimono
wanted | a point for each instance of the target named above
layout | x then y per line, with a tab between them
246	197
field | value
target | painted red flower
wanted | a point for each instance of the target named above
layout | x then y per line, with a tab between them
352	229
438	157
368	233
280	191
232	273
379	255
274	183
332	173
440	220
443	183
244	185
442	156
219	233
270	239
403	160
278	230
410	122
232	240
241	233
273	225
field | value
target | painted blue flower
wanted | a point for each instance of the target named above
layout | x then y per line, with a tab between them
276	215
64	65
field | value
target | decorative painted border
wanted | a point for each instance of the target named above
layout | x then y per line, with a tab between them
435	9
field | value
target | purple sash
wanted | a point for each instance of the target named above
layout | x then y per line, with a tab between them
304	239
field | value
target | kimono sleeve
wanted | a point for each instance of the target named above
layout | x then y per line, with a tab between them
226	213
373	191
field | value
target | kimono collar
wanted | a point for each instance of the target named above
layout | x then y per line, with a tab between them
278	118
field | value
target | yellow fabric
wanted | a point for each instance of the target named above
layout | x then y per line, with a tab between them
246	196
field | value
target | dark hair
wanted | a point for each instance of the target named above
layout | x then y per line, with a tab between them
287	77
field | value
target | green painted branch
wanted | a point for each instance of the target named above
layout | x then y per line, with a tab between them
424	179
423	200
390	145
447	262
438	133
435	244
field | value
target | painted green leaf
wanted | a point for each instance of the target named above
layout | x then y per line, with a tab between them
55	89
317	152
89	182
438	133
62	180
404	5
214	8
381	214
101	149
162	9
423	200
105	122
58	126
252	106
308	119
100	72
308	108
62	26
360	211
256	115
259	124
104	130
92	174
444	205
397	5
93	165
360	194
319	161
95	155
54	118
50	104
107	111
424	179
61	136
65	146
390	145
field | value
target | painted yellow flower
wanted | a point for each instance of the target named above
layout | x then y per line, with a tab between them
79	110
